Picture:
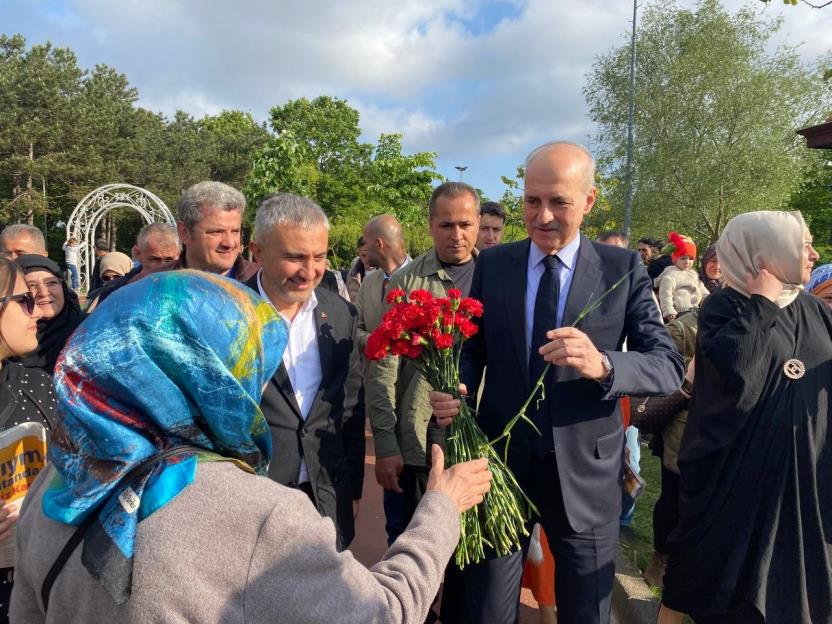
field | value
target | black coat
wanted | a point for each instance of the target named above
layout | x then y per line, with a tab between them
25	396
331	439
755	490
580	420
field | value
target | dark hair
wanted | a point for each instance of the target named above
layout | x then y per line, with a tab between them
494	209
604	236
9	271
101	244
652	242
452	190
361	242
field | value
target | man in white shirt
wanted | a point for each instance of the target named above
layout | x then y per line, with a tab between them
317	443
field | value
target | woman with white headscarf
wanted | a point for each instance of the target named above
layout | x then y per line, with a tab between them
753	543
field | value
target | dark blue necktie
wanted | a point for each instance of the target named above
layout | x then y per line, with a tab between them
545	313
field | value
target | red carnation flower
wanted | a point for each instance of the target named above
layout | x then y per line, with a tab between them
396	295
467	328
443	341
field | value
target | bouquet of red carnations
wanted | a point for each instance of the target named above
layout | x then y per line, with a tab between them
430	331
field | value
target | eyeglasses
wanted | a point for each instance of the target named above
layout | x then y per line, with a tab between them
26	301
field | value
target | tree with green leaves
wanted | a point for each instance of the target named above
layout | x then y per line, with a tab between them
715	117
813	198
316	152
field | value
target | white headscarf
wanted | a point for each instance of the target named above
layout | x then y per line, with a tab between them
767	239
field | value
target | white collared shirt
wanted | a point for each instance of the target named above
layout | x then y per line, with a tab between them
567	256
301	358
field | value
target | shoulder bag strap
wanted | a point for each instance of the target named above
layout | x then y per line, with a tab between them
139	469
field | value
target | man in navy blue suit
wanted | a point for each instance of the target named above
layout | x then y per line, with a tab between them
532	292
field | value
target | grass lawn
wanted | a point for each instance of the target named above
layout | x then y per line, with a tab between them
640	550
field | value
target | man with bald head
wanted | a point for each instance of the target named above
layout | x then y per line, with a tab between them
533	291
385	249
21	240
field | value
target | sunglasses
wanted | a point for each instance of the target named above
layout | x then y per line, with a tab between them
26	301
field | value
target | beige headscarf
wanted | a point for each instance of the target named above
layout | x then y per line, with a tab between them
115	261
767	239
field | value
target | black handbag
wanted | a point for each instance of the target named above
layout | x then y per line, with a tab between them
652	414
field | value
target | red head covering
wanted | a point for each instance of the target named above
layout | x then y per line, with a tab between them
683	244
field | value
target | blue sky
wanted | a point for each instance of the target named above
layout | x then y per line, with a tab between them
481	83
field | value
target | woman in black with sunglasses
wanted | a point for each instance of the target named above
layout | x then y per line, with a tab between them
25	393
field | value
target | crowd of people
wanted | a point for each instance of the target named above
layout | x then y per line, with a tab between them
207	412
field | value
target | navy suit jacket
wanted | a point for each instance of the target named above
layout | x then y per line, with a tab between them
580	420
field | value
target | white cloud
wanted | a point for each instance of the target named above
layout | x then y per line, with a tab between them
410	66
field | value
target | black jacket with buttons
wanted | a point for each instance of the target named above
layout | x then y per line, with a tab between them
25	396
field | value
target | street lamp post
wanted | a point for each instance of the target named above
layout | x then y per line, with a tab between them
461	169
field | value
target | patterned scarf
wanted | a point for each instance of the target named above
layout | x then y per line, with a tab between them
821	279
177	358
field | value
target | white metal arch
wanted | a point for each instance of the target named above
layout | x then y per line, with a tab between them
84	220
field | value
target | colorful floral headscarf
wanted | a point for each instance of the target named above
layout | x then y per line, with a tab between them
177	358
821	279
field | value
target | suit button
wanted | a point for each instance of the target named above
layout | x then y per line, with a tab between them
303	433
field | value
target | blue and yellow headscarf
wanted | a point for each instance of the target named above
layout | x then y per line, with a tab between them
178	358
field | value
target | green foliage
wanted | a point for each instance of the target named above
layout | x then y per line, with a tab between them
813	198
316	152
714	123
512	203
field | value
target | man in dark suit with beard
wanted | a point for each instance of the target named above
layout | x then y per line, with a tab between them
532	292
317	432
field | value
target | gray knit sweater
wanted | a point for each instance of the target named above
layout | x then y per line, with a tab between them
235	548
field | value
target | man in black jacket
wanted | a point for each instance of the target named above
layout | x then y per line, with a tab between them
317	431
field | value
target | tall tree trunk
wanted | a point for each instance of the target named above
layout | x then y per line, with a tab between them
30	217
15	194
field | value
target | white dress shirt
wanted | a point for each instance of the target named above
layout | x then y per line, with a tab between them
301	359
567	256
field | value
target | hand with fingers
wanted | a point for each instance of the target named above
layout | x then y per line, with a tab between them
445	406
388	470
569	346
8	519
465	484
764	284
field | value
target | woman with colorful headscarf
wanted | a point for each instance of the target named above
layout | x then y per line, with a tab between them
61	313
156	471
754	538
820	284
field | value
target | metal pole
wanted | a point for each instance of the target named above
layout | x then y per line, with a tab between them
628	199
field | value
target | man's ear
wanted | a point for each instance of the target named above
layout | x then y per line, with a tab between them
182	231
590	199
255	250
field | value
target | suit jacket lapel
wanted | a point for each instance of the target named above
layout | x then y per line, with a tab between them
324	329
585	286
515	288
284	385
